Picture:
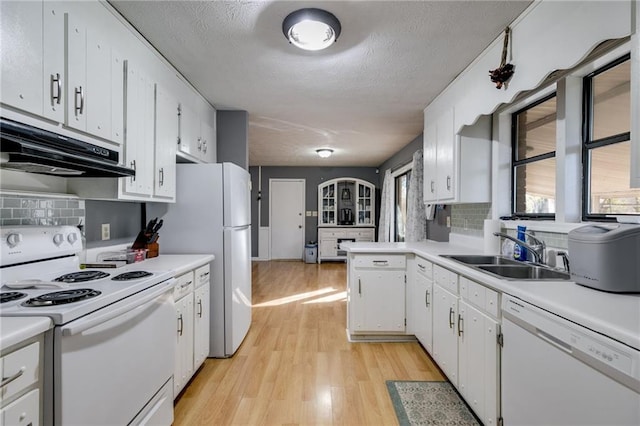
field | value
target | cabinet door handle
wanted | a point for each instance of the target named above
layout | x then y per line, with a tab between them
56	95
79	107
199	144
460	325
421	266
180	325
359	287
448	183
204	147
433	187
161	176
451	317
187	284
380	262
7	380
200	308
133	166
426	298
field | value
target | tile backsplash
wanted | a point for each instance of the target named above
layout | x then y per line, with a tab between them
40	210
468	219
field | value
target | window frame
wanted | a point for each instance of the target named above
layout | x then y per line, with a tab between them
588	144
515	163
400	170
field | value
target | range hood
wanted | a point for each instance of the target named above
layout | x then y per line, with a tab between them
34	150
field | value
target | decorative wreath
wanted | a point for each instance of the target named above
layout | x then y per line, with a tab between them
501	75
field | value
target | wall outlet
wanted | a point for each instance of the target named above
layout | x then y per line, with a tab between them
106	231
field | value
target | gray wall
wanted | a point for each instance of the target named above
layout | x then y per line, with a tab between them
437	229
313	177
232	137
124	218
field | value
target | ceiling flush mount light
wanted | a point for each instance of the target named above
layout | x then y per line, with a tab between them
311	29
324	152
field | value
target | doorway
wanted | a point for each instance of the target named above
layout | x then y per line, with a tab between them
287	217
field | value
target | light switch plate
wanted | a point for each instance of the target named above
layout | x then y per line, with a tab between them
106	231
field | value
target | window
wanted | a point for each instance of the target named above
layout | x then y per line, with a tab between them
607	142
534	164
401	189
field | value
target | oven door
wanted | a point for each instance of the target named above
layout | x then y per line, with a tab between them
109	365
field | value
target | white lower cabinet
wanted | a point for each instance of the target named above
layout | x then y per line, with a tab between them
183	296
191	295
376	294
465	340
420	304
445	332
21	391
201	316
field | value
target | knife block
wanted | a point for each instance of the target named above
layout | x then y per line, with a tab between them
153	250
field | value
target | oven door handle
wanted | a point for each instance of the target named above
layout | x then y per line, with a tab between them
137	303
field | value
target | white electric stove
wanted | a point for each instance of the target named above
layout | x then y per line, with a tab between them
122	320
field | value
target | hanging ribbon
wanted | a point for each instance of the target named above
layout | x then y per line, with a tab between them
501	75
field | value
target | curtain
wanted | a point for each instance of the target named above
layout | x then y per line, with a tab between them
416	227
386	209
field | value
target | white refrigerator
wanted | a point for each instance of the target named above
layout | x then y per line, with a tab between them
212	215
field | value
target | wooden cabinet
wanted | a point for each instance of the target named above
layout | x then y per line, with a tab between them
21	392
183	297
191	295
376	294
456	166
420	304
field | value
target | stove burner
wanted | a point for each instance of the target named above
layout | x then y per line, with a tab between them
78	277
62	297
10	296
133	275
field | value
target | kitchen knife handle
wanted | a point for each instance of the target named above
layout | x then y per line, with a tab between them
56	96
180	325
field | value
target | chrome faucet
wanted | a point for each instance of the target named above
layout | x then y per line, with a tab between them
536	247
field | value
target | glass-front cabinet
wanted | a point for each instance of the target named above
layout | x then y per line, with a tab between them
346	202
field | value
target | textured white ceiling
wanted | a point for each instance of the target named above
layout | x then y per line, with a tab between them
362	97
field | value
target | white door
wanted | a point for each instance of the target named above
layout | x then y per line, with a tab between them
287	206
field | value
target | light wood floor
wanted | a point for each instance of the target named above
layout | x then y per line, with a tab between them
296	365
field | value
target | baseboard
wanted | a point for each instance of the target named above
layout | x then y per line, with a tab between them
380	338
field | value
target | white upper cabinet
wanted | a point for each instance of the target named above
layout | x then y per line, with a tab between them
457	167
53	62
167	134
197	129
22	47
89	78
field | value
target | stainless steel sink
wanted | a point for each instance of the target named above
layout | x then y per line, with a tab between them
525	272
482	259
510	269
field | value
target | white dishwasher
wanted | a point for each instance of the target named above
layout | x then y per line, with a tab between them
556	372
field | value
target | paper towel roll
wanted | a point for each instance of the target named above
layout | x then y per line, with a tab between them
491	242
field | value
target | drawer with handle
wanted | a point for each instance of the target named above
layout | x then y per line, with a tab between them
203	274
424	267
388	261
185	285
20	369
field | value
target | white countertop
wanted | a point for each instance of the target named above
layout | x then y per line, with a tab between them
611	314
178	263
14	330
